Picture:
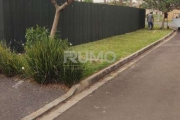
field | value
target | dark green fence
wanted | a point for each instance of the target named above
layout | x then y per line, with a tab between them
79	23
1	21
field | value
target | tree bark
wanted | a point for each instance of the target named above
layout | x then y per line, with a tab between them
162	26
158	16
131	3
57	15
167	24
55	24
120	2
165	17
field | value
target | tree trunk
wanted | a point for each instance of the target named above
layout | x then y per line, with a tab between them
104	1
55	24
167	24
158	16
57	15
165	17
120	2
162	26
131	3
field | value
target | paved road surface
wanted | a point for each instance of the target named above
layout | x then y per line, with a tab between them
149	90
19	98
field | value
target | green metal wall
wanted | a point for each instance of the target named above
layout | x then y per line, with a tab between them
1	20
80	23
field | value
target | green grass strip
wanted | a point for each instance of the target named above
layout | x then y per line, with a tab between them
121	45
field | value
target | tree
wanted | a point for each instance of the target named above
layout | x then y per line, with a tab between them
120	2
146	6
131	3
91	1
105	1
57	15
113	2
163	5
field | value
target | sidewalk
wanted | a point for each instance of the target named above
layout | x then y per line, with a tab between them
149	90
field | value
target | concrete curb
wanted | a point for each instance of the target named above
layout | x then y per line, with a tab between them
91	80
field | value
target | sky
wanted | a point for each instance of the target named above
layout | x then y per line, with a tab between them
97	1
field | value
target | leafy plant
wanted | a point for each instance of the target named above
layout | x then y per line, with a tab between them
10	62
72	72
35	34
90	1
45	61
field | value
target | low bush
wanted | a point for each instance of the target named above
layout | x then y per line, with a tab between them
10	63
35	34
45	60
72	72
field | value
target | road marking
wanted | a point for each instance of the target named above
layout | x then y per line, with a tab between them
17	84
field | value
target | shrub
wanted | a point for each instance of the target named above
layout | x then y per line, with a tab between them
35	34
10	62
72	72
45	60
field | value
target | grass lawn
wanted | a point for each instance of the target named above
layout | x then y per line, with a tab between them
160	18
156	17
121	45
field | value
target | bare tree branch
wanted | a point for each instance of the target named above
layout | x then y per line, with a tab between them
120	2
57	15
63	6
55	4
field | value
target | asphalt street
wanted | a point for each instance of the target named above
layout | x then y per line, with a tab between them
19	98
149	90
